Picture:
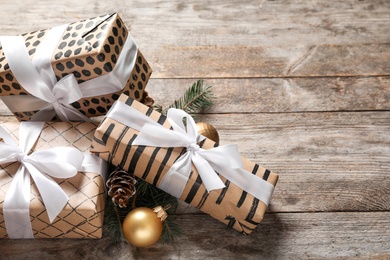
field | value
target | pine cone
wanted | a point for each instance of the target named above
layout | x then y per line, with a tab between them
121	187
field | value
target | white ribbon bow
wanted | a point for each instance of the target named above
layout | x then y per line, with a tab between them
223	159
61	162
49	96
187	136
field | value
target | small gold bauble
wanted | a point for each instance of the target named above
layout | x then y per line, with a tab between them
208	130
142	227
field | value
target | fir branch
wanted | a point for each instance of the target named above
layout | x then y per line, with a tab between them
196	99
158	108
171	230
114	216
151	196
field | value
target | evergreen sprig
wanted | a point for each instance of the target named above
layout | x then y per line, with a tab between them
196	99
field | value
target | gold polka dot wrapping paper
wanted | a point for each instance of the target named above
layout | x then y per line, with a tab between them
87	50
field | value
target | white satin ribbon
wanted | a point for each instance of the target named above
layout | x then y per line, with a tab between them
59	162
49	96
223	159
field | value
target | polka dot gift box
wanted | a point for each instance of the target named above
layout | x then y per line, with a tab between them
71	72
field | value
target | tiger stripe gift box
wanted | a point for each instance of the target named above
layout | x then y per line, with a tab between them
50	185
73	71
174	157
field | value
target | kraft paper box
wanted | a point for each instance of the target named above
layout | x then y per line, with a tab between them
82	216
87	49
231	205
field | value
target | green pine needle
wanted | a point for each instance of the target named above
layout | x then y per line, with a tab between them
171	230
196	99
158	108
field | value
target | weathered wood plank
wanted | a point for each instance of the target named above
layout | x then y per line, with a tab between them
251	23
275	61
252	41
279	236
254	95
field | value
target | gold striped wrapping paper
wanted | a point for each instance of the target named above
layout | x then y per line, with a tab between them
231	205
82	216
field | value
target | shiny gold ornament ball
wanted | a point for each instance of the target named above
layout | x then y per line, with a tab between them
208	130
142	227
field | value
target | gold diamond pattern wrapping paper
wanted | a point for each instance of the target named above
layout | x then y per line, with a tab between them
88	49
231	205
82	217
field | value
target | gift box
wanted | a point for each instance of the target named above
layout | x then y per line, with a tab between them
75	70
139	140
81	199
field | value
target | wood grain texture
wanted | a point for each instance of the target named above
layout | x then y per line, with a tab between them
191	23
269	95
303	88
260	39
265	95
284	61
280	236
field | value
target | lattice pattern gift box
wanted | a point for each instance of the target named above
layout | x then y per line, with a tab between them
175	158
50	185
73	70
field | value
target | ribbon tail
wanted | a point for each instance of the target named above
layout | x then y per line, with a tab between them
52	195
7	137
209	178
254	185
16	207
46	114
226	155
175	180
152	135
72	114
93	163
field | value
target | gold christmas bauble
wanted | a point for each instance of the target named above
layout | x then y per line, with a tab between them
208	130
142	227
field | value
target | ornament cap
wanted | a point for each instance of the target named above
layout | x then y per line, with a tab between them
161	212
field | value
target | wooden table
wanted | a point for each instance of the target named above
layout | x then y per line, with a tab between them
303	87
